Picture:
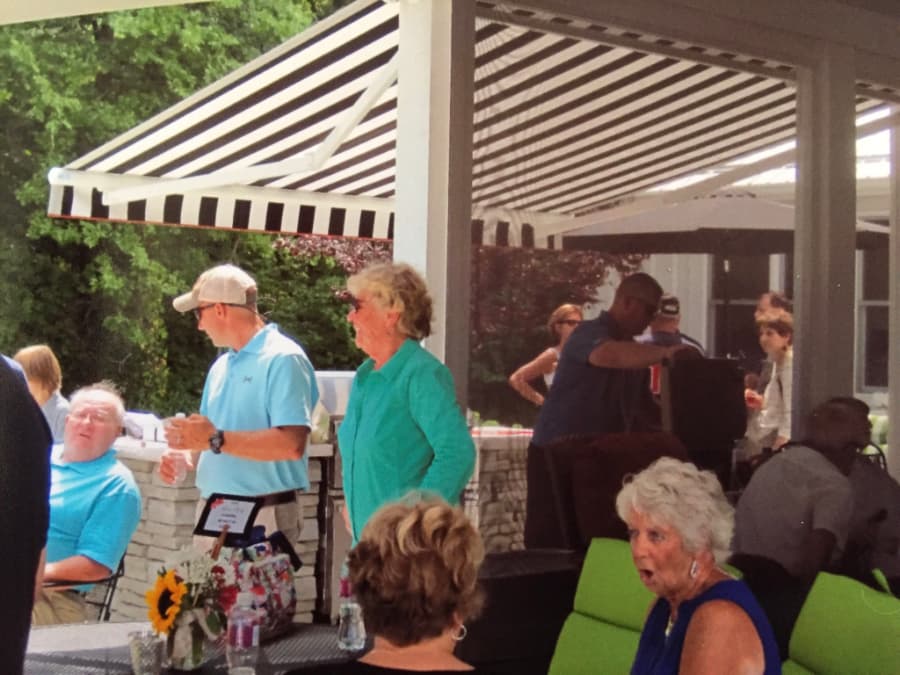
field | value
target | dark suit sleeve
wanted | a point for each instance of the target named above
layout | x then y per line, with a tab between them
24	510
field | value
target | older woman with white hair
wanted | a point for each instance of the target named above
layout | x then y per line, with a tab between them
403	429
703	620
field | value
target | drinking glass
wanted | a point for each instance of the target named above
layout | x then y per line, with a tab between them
146	653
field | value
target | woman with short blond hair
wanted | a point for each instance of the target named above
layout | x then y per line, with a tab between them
414	573
403	429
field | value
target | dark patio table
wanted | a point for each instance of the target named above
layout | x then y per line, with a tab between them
99	648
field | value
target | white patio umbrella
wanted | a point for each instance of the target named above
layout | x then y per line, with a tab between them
726	223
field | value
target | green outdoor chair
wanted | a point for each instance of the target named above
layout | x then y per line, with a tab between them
601	634
845	628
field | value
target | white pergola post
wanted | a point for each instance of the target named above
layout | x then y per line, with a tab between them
894	310
824	241
432	228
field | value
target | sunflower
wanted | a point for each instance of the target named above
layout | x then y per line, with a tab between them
164	601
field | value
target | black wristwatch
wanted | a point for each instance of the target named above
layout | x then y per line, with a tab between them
216	441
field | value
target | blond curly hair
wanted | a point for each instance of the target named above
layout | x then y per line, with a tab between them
415	569
397	286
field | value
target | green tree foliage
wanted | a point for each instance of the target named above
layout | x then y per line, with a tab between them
98	293
514	291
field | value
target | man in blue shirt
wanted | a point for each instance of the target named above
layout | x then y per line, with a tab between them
255	413
95	505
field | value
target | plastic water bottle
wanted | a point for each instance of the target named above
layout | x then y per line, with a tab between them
351	630
242	646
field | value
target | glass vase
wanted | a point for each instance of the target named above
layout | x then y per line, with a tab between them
187	646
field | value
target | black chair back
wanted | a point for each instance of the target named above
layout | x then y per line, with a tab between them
586	473
528	595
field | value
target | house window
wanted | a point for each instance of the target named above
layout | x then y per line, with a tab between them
735	291
873	320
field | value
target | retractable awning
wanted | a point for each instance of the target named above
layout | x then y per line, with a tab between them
570	118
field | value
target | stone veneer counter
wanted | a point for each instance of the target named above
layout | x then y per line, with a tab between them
167	526
494	499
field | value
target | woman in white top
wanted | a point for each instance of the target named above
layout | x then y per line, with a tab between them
771	427
562	322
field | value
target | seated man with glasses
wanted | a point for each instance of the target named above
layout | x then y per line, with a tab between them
600	387
95	505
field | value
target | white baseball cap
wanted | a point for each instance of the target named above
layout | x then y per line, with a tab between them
227	284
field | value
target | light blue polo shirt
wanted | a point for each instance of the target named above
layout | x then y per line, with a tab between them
94	509
269	383
403	431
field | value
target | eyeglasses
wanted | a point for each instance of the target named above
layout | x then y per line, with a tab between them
569	322
96	416
198	311
349	298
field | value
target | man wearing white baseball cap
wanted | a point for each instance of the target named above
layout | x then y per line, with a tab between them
256	407
665	330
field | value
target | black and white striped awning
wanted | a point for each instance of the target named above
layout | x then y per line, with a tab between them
569	118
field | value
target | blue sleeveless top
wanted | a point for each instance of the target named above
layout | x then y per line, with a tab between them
661	655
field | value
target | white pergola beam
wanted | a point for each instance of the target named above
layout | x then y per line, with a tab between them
894	308
824	284
382	82
209	181
432	230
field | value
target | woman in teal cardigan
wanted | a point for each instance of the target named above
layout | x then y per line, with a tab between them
403	429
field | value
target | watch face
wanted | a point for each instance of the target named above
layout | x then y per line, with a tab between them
216	441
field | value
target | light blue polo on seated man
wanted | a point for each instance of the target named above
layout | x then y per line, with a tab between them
270	382
94	509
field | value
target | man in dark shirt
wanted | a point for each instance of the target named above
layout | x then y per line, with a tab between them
24	492
600	386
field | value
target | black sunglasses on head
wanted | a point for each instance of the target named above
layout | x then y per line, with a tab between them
349	298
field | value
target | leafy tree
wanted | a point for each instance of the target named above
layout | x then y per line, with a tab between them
100	293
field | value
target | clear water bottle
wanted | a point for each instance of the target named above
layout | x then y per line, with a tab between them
242	646
351	630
